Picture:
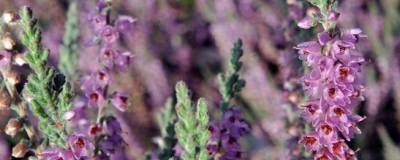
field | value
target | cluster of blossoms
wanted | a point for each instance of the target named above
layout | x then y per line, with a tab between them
225	135
333	86
81	145
102	138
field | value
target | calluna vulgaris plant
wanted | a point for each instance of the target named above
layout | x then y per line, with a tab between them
57	109
225	134
333	85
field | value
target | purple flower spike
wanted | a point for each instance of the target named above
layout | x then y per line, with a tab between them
120	101
109	34
80	145
333	86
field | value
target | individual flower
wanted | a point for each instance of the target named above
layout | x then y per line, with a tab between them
107	56
102	78
112	126
95	129
95	97
306	23
311	142
120	101
8	43
109	34
98	22
13	127
80	145
20	150
123	60
124	23
333	15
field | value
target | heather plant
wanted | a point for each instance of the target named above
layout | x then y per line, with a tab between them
48	93
333	85
225	133
69	89
229	82
50	96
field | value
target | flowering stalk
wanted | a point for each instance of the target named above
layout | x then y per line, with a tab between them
333	86
100	138
47	90
69	50
191	124
224	141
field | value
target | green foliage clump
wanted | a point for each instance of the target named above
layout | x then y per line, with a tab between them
68	60
48	93
191	128
166	120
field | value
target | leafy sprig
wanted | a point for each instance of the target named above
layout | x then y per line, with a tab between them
50	95
229	82
69	49
166	120
191	128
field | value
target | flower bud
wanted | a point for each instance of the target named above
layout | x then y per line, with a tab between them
8	43
12	127
333	16
13	77
20	149
27	96
294	97
69	115
9	17
5	99
306	23
19	59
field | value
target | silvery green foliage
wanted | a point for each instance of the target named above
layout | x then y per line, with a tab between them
229	82
191	128
391	151
166	120
68	50
49	94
